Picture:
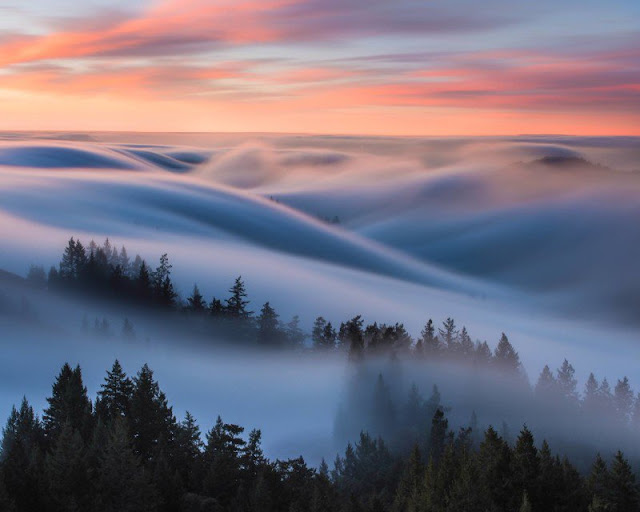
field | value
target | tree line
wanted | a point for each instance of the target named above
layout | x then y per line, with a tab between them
108	272
126	451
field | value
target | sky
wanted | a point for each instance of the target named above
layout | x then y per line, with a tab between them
402	67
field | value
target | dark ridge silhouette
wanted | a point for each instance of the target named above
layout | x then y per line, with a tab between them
567	162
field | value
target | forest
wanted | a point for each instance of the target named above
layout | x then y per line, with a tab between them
484	439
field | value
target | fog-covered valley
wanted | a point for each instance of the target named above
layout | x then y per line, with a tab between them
535	237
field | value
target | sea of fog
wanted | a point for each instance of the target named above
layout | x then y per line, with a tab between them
533	236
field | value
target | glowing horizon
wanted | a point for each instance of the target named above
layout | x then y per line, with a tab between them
312	66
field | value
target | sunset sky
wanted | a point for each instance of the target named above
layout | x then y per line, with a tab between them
397	67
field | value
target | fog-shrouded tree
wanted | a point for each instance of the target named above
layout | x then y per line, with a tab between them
294	334
196	302
567	383
351	337
317	332
623	400
115	395
449	334
151	419
237	303
429	343
505	357
269	332
68	403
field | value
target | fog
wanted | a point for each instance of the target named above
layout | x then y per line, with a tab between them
532	236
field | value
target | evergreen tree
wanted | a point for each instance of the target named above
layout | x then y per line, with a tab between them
122	483
590	395
123	261
623	400
526	465
466	345
623	488
546	387
237	303
428	339
329	336
317	332
196	302
269	333
68	403
115	395
67	472
482	355
440	436
449	335
151	419
163	290
605	399
505	357
567	383
216	308
598	483
383	410
294	334
407	493
188	451
144	285
223	465
21	457
351	337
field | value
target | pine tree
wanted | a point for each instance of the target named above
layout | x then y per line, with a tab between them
605	399
546	386
216	308
151	418
494	457
222	459
68	403
21	457
115	395
67	472
526	465
163	290
598	483
237	303
590	395
383	411
567	383
122	483
188	451
623	488
329	336
317	332
466	345
449	334
351	337
482	355
407	492
440	436
294	334
269	333
505	357
144	285
196	302
623	400
429	340
123	261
